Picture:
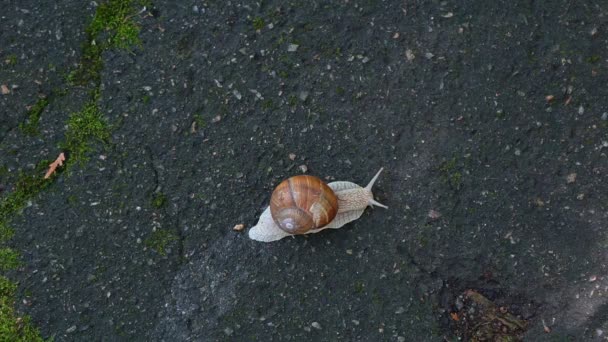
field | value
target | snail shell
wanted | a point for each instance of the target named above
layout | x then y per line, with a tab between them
303	203
352	200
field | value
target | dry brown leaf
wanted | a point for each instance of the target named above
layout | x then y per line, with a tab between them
54	165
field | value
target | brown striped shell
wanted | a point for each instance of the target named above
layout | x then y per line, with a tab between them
303	203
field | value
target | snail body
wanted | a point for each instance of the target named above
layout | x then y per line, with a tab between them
305	205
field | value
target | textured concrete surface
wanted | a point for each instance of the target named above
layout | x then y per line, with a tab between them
490	185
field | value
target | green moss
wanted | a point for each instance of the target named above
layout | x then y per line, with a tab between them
160	239
85	128
113	26
159	200
593	59
359	287
200	121
30	127
6	232
258	23
115	17
267	104
449	174
11	60
146	99
293	100
14	327
9	259
26	187
340	91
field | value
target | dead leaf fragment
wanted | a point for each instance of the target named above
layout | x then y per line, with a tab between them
434	214
549	98
454	316
54	165
4	89
571	178
239	227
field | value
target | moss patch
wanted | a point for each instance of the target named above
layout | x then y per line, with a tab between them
159	200
450	174
27	186
30	127
12	326
113	26
9	259
6	232
85	128
160	239
258	23
10	60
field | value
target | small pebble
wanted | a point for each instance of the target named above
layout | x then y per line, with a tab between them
71	329
316	325
293	47
303	95
593	31
400	339
217	118
571	178
409	55
228	331
303	168
292	156
605	116
4	89
239	227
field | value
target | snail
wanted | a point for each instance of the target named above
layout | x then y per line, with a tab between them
305	204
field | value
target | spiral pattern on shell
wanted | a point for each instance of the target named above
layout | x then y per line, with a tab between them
303	203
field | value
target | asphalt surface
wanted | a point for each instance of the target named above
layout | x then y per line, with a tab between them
491	184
